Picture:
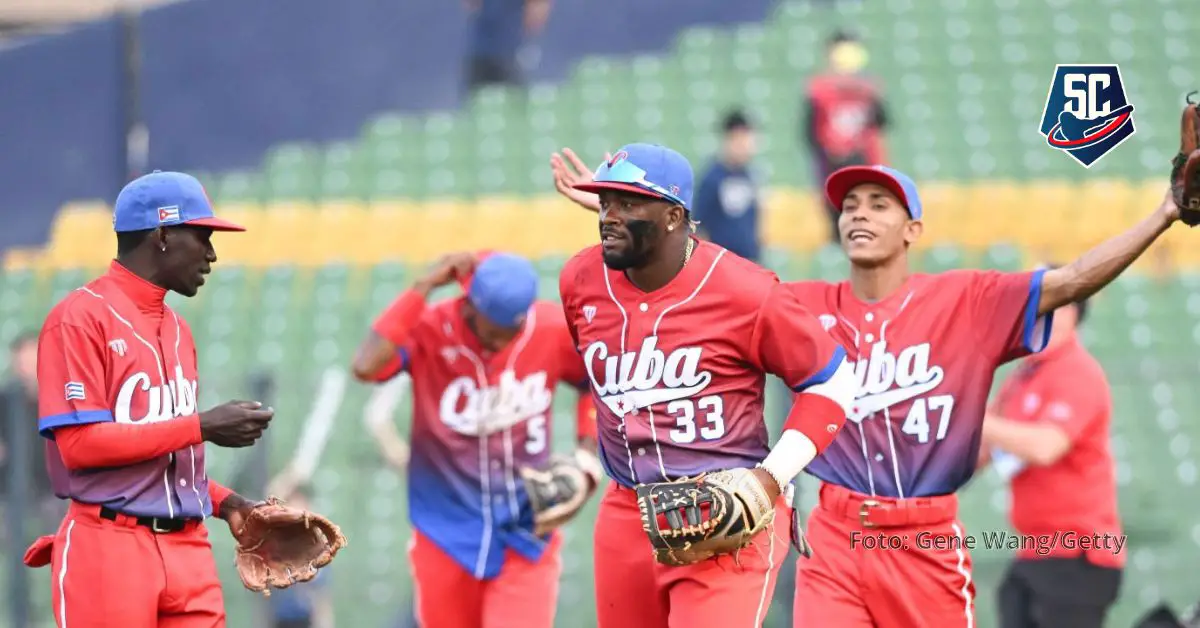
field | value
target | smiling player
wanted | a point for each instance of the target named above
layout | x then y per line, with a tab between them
925	350
677	336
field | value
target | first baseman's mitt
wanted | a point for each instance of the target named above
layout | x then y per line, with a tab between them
1185	168
560	489
279	545
694	519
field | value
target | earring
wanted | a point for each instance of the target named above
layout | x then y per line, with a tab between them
164	248
671	228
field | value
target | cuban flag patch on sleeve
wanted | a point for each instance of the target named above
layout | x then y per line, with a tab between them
74	391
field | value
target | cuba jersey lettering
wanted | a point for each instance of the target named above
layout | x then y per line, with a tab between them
678	374
925	358
477	419
99	360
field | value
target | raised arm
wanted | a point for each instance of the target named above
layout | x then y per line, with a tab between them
569	170
384	353
1098	267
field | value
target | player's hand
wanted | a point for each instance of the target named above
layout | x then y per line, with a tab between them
449	269
769	484
569	170
1168	209
235	423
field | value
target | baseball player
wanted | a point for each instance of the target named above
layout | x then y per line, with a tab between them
117	404
677	336
925	349
484	506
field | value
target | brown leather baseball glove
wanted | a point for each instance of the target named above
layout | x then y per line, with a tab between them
694	519
279	545
558	491
1185	168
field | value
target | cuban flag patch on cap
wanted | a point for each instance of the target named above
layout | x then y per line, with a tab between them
168	214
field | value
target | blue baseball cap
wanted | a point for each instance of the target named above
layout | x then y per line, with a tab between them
647	169
503	288
166	199
839	184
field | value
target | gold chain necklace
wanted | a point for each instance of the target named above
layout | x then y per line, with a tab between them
687	254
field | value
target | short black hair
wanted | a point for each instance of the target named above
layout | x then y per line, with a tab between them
1081	307
127	241
840	36
736	120
26	337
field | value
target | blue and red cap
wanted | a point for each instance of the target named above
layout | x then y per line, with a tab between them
839	184
166	199
646	169
502	288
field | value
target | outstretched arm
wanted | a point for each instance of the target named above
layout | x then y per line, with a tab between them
1098	267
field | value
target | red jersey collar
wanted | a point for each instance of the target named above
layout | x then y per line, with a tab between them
890	304
146	296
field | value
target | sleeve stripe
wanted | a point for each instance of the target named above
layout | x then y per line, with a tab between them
823	375
47	424
1036	330
840	388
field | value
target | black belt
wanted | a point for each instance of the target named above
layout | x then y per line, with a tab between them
160	525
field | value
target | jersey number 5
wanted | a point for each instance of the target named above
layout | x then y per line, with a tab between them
535	435
685	413
917	422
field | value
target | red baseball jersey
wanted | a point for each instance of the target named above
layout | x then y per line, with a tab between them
101	359
1065	386
925	358
477	418
677	374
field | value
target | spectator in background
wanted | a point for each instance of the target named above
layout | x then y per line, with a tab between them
844	117
1047	433
308	604
18	428
727	200
499	30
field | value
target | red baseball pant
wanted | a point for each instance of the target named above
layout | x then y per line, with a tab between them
633	590
524	595
908	567
110	574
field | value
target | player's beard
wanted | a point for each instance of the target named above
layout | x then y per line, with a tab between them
643	235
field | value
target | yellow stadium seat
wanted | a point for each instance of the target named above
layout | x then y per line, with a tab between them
74	235
286	235
783	218
794	219
942	206
568	227
22	258
389	231
335	231
990	214
236	249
